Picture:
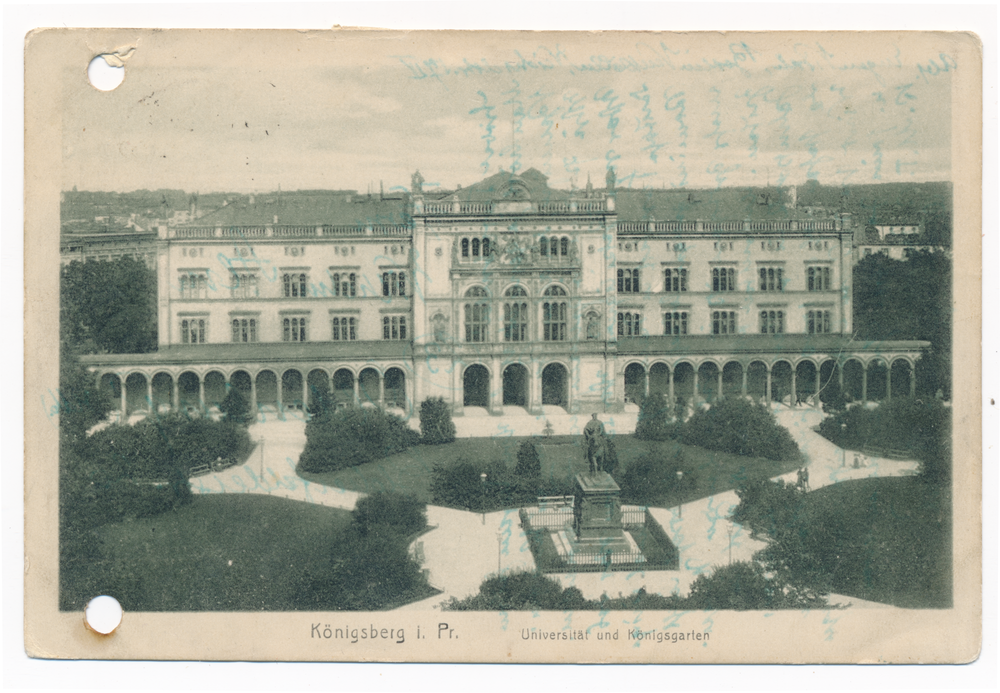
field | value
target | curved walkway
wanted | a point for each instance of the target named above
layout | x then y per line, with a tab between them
464	548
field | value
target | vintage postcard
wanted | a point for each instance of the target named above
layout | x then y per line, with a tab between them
626	347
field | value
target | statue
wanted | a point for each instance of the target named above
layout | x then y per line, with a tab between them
596	442
593	326
440	327
609	179
417	183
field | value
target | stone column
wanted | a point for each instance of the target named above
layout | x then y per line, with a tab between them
496	387
253	394
149	395
646	383
816	393
720	383
381	391
888	380
864	383
694	399
201	393
305	394
670	388
795	394
913	381
281	405
357	397
744	369
840	375
124	396
177	393
767	390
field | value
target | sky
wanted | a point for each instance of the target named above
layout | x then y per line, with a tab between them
301	110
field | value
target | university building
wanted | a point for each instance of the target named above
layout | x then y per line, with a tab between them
508	296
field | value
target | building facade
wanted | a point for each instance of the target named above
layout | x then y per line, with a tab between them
508	296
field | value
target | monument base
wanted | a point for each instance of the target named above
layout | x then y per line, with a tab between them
598	514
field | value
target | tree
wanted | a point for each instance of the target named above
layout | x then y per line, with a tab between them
389	510
529	465
80	402
236	408
436	426
109	306
655	420
739	427
353	436
743	586
321	400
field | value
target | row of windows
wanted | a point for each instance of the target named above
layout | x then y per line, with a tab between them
293	285
293	329
724	322
475	247
675	279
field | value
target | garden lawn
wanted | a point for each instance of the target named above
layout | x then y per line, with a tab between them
219	553
891	540
562	459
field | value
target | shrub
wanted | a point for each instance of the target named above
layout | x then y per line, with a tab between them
321	401
743	586
610	456
461	485
529	465
519	591
388	510
649	479
351	437
237	409
737	426
655	420
766	506
436	426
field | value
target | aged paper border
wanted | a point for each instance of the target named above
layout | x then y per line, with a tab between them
41	320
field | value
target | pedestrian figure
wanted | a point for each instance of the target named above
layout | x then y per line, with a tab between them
857	461
805	479
798	480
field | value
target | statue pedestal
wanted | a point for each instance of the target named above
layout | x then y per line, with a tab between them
598	514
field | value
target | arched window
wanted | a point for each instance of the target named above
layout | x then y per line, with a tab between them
770	279
554	316
675	279
244	330
393	284
293	330
193	331
345	285
543	248
554	246
477	315
772	322
465	247
629	324
515	315
486	247
293	285
564	246
723	279
628	281
475	247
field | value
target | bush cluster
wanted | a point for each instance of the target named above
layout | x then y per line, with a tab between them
353	436
461	485
370	566
237	408
656	421
436	426
649	479
920	427
740	427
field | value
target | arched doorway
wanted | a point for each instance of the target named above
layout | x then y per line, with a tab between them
635	383
111	387
555	385
136	396
683	383
781	382
343	388
163	392
708	381
291	390
215	389
659	380
878	380
901	378
853	380
187	384
515	385
395	389
732	379
267	391
757	381
805	381
368	387
476	386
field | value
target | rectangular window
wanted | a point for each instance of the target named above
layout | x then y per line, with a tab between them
554	322
393	284
515	322
345	284
818	278
771	279
723	279
243	285
818	322
293	285
723	322
193	331
293	330
675	279
477	320
772	322
628	281
675	323
345	329
194	285
394	327
629	324
244	330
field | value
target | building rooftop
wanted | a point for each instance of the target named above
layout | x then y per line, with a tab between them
339	208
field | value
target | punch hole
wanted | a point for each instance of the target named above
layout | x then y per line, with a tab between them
103	614
106	72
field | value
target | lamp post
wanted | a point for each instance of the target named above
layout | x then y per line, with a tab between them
843	450
729	530
680	507
482	486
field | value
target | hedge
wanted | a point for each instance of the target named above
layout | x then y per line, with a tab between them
740	427
436	426
353	436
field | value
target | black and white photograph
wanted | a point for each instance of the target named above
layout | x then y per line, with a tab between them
504	346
